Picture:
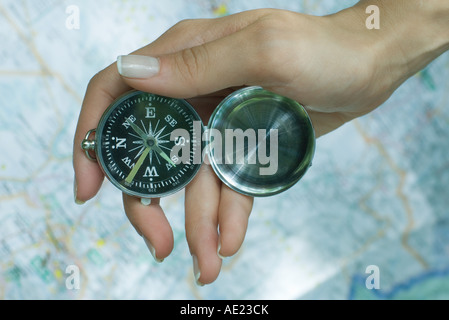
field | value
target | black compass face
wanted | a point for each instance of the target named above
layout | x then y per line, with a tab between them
147	144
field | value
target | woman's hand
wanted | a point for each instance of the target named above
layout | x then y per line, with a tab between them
333	65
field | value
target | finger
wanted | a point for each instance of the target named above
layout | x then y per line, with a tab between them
200	31
201	202
233	214
191	72
151	223
222	58
100	92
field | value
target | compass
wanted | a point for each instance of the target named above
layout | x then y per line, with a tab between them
134	141
258	143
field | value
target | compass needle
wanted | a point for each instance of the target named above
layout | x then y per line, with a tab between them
136	128
129	179
163	155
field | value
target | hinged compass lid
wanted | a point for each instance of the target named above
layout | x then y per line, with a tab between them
260	143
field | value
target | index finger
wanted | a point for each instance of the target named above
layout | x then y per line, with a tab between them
101	91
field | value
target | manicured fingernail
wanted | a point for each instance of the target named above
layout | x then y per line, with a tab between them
152	250
218	250
139	67
145	201
196	271
75	193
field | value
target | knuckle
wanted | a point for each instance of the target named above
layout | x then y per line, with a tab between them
270	45
98	85
183	24
271	25
98	81
191	29
95	80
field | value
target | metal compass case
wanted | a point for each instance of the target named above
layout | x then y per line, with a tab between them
258	143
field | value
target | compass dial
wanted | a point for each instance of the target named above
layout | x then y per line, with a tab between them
147	144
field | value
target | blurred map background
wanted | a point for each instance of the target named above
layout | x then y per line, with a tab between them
376	195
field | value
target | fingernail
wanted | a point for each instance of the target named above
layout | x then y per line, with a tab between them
75	193
196	271
218	250
135	66
152	250
145	201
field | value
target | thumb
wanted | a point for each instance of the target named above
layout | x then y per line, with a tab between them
188	73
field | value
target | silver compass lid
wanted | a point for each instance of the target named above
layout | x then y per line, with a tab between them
260	143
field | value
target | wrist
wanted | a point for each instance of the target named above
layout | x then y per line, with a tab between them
412	33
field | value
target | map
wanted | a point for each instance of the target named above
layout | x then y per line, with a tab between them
370	220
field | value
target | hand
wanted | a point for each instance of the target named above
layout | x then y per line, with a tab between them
332	64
